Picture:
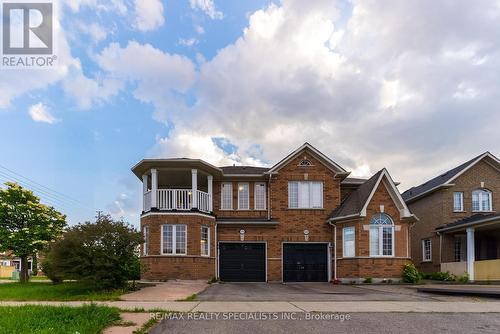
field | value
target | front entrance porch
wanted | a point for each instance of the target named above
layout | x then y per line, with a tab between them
472	247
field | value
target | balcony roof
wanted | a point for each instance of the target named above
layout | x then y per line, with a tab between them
147	164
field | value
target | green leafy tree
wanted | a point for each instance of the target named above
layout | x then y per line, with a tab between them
102	254
26	225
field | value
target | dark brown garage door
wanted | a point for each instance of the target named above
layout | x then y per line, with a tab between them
242	262
305	262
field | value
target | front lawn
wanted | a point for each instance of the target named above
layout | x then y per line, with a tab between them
37	319
55	292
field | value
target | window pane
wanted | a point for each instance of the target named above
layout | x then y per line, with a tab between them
260	196
304	194
486	201
426	244
205	231
348	238
387	240
374	240
243	196
168	239
457	201
317	194
293	194
180	239
475	201
227	196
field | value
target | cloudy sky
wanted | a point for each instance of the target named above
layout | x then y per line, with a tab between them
412	86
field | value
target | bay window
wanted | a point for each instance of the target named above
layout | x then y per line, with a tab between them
305	195
205	241
145	246
174	239
381	235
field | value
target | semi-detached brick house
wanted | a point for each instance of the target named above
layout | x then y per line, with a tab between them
301	220
459	227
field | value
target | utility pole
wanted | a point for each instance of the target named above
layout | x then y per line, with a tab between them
99	214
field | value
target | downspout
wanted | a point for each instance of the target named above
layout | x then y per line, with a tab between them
440	248
269	198
216	254
335	252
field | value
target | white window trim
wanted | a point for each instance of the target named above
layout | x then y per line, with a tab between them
145	246
353	244
481	193
380	232
310	195
222	196
255	196
174	240
424	259
208	241
461	201
248	198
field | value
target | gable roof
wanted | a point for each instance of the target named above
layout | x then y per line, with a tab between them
356	203
321	157
444	180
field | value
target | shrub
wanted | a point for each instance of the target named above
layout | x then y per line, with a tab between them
368	280
439	276
102	254
49	271
463	279
410	273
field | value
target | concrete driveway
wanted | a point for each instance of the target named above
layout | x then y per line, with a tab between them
166	291
309	292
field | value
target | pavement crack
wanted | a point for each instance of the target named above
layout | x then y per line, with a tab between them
300	308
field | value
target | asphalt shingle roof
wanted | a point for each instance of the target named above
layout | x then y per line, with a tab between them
243	170
472	219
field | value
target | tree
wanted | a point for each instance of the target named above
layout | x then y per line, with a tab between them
102	254
26	225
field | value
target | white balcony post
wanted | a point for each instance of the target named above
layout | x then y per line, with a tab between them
154	188
144	190
210	180
471	257
194	188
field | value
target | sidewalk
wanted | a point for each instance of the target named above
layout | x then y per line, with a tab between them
336	307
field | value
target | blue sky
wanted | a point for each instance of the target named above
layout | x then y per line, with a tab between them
246	82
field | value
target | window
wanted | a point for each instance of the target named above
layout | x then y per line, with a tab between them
205	241
260	196
458	201
481	200
145	231
348	234
243	196
305	195
226	202
381	235
174	239
459	248
426	250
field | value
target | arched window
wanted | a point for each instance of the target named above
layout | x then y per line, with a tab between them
481	200
381	235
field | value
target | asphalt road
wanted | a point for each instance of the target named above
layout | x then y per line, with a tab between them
357	323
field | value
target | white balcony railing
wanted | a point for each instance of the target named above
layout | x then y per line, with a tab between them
178	199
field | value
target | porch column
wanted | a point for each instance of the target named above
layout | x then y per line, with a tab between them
471	257
154	188
144	190
194	188
210	180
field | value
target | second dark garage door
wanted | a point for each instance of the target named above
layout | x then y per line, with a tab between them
242	262
305	262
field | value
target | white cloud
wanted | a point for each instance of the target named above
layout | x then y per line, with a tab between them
149	14
96	31
188	41
41	113
199	29
208	7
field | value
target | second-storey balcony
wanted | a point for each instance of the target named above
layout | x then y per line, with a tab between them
176	185
178	199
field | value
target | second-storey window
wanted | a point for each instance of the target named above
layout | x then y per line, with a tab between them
243	196
205	241
226	202
458	201
481	200
174	239
348	234
426	250
305	195
260	196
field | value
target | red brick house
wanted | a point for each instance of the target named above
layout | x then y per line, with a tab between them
301	220
459	227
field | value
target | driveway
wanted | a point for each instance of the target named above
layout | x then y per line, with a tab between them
166	291
311	292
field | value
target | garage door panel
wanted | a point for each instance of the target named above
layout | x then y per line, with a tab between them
305	262
242	262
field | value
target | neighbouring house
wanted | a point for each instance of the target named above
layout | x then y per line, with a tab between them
459	228
9	263
301	220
